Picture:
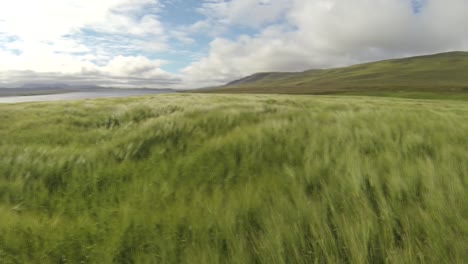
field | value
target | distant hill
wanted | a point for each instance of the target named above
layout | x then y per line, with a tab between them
445	72
56	86
59	88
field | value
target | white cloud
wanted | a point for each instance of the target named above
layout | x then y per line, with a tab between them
51	19
253	13
130	66
327	33
119	71
43	57
81	38
222	15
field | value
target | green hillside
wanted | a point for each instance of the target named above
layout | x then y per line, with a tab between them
446	73
188	178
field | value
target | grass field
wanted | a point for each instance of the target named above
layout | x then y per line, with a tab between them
190	178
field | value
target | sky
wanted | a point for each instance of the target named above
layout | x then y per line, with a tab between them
185	44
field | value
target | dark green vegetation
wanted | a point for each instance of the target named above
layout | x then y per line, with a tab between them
445	73
234	179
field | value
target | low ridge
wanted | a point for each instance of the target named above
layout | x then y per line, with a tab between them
444	72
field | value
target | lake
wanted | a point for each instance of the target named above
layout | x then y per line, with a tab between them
78	96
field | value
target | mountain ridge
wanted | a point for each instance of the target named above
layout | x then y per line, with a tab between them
441	72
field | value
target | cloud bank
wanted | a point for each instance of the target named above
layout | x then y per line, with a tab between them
135	43
82	41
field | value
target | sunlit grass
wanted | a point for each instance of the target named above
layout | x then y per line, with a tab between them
234	179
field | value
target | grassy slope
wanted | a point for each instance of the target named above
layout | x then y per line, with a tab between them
238	179
446	72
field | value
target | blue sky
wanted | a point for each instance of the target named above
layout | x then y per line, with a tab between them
195	43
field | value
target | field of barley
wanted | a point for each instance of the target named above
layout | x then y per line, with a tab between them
189	178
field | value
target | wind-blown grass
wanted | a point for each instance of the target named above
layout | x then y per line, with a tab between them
234	179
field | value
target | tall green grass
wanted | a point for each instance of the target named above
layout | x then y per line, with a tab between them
234	179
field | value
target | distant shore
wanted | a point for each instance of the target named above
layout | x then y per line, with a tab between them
78	95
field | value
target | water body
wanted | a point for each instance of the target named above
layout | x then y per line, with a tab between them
79	96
